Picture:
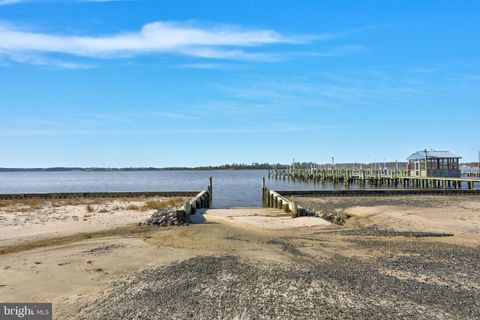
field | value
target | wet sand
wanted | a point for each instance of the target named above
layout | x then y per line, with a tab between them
262	218
228	266
459	215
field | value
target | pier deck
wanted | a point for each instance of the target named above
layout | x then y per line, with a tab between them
395	178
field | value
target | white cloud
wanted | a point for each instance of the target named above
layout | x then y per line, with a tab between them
5	2
43	61
205	66
280	128
215	42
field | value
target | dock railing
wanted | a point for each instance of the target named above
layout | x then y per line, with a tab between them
202	200
273	199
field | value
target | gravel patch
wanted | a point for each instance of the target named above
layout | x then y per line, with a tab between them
377	231
410	279
330	204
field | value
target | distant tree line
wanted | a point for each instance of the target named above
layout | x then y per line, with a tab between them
242	166
233	166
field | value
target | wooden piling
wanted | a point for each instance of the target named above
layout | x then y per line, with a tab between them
263	190
210	192
294	209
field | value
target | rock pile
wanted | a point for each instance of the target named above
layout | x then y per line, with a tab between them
336	216
168	217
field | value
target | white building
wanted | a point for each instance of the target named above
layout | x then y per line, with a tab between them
434	164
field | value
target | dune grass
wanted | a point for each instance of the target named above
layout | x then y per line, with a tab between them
157	204
133	207
28	203
133	204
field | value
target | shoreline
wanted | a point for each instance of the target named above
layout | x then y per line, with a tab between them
23	220
258	263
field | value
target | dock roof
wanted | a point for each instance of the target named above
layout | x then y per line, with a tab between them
432	154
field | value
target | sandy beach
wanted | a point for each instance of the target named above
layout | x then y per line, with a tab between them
459	215
28	220
396	257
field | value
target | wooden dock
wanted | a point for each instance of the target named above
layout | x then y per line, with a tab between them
272	199
374	178
202	200
376	192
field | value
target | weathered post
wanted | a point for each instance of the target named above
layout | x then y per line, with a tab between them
263	191
294	209
210	192
187	209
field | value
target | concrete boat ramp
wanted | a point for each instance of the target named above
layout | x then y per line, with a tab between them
261	218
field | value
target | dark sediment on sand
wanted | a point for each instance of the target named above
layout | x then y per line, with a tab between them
406	278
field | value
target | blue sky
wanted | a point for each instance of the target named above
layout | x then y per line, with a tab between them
186	83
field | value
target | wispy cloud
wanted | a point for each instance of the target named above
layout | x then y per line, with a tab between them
40	60
171	115
93	121
240	130
102	0
5	2
205	66
204	41
150	123
216	42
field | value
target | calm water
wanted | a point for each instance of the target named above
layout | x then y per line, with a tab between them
230	188
237	188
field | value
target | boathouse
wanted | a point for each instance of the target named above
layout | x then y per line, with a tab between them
431	163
